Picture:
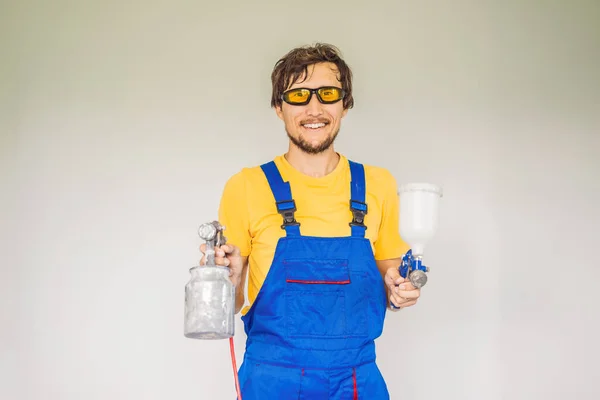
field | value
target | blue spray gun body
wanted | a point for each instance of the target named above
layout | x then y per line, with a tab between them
413	268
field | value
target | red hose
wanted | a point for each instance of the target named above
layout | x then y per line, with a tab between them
235	373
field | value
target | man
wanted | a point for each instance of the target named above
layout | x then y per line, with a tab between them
317	237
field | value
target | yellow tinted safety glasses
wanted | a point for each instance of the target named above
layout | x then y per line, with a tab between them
302	96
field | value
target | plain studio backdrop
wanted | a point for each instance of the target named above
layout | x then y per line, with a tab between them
121	122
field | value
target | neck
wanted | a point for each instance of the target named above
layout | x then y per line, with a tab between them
314	165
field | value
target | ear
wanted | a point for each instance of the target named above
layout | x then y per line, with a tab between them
344	112
279	112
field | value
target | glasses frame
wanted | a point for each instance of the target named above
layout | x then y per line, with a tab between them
315	92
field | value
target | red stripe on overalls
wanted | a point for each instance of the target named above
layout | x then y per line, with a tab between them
355	388
317	282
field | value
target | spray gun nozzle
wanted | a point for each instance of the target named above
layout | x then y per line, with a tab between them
212	234
413	269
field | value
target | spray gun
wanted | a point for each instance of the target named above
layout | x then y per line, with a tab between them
413	268
209	294
418	223
212	234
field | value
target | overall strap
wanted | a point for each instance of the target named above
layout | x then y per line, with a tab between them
286	206
357	199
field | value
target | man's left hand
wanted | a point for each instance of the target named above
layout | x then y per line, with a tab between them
401	292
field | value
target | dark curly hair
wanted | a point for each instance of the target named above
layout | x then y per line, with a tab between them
295	65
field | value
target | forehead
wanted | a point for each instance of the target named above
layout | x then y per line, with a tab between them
321	74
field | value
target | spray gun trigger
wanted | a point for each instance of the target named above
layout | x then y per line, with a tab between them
221	240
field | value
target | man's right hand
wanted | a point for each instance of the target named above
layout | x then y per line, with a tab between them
227	255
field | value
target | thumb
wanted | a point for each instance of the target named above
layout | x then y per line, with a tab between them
393	276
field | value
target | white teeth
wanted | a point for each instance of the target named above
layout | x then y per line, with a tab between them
314	126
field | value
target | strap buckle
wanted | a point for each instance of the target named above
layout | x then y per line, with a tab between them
287	208
359	210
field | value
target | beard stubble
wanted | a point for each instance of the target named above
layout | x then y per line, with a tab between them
312	149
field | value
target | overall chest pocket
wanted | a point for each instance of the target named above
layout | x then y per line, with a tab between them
324	300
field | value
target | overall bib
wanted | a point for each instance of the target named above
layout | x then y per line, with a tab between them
312	327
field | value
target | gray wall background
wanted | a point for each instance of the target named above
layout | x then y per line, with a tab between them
121	121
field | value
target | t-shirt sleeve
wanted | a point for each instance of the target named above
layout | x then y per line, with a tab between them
233	213
389	244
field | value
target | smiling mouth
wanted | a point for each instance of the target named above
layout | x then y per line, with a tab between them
315	125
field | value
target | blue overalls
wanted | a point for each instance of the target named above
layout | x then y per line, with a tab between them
312	327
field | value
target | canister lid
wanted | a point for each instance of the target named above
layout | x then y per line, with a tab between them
420	187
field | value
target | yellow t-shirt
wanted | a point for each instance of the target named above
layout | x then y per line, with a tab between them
248	212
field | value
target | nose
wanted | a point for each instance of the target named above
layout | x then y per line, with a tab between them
314	106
